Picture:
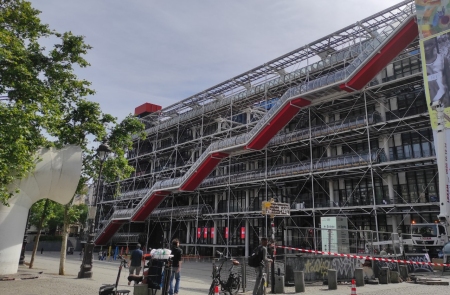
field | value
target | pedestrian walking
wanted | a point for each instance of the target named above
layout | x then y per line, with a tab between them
262	252
136	260
176	267
42	250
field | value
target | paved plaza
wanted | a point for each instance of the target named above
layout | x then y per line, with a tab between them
196	279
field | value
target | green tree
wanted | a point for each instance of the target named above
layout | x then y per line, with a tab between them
37	87
40	213
81	120
65	216
41	95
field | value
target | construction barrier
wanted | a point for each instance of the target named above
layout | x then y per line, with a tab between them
364	257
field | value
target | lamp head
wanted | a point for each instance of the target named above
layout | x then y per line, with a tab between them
103	150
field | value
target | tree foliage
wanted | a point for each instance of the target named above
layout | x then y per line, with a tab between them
38	210
41	95
77	214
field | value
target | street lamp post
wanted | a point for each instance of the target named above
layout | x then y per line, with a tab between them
86	266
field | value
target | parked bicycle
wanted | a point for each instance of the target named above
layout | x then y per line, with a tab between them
233	282
264	282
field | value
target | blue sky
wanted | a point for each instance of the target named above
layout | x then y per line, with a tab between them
164	51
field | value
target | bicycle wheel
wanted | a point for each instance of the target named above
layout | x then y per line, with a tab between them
211	289
235	285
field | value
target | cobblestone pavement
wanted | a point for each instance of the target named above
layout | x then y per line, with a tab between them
195	280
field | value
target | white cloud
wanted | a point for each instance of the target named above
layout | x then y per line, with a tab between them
164	51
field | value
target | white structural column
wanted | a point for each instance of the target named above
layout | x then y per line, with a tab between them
188	229
394	223
330	182
247	227
56	178
216	208
382	107
188	235
390	188
384	142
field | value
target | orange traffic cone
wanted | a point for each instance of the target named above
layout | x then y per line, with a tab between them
216	290
353	288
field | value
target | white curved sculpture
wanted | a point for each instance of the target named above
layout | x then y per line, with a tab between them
56	177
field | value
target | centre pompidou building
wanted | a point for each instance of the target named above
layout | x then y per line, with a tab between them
337	127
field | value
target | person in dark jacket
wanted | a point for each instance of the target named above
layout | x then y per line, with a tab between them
176	267
258	288
136	260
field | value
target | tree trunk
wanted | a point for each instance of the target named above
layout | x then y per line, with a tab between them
65	233
41	222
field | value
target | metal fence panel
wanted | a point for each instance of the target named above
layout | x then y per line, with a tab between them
316	267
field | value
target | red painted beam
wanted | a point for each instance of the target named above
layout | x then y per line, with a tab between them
108	232
203	171
151	204
278	121
393	48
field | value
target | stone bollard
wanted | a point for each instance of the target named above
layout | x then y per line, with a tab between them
403	272
359	277
299	281
141	289
279	284
332	279
394	277
384	276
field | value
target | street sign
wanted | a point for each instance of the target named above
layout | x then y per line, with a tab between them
276	209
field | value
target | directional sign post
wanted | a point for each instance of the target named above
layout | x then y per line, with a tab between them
276	209
273	209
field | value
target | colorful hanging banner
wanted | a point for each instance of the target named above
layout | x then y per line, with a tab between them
226	233
243	232
205	233
212	232
433	17
199	232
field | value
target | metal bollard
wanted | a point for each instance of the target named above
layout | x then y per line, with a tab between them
299	281
359	277
332	279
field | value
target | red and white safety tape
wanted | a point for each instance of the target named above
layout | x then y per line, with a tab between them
364	257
